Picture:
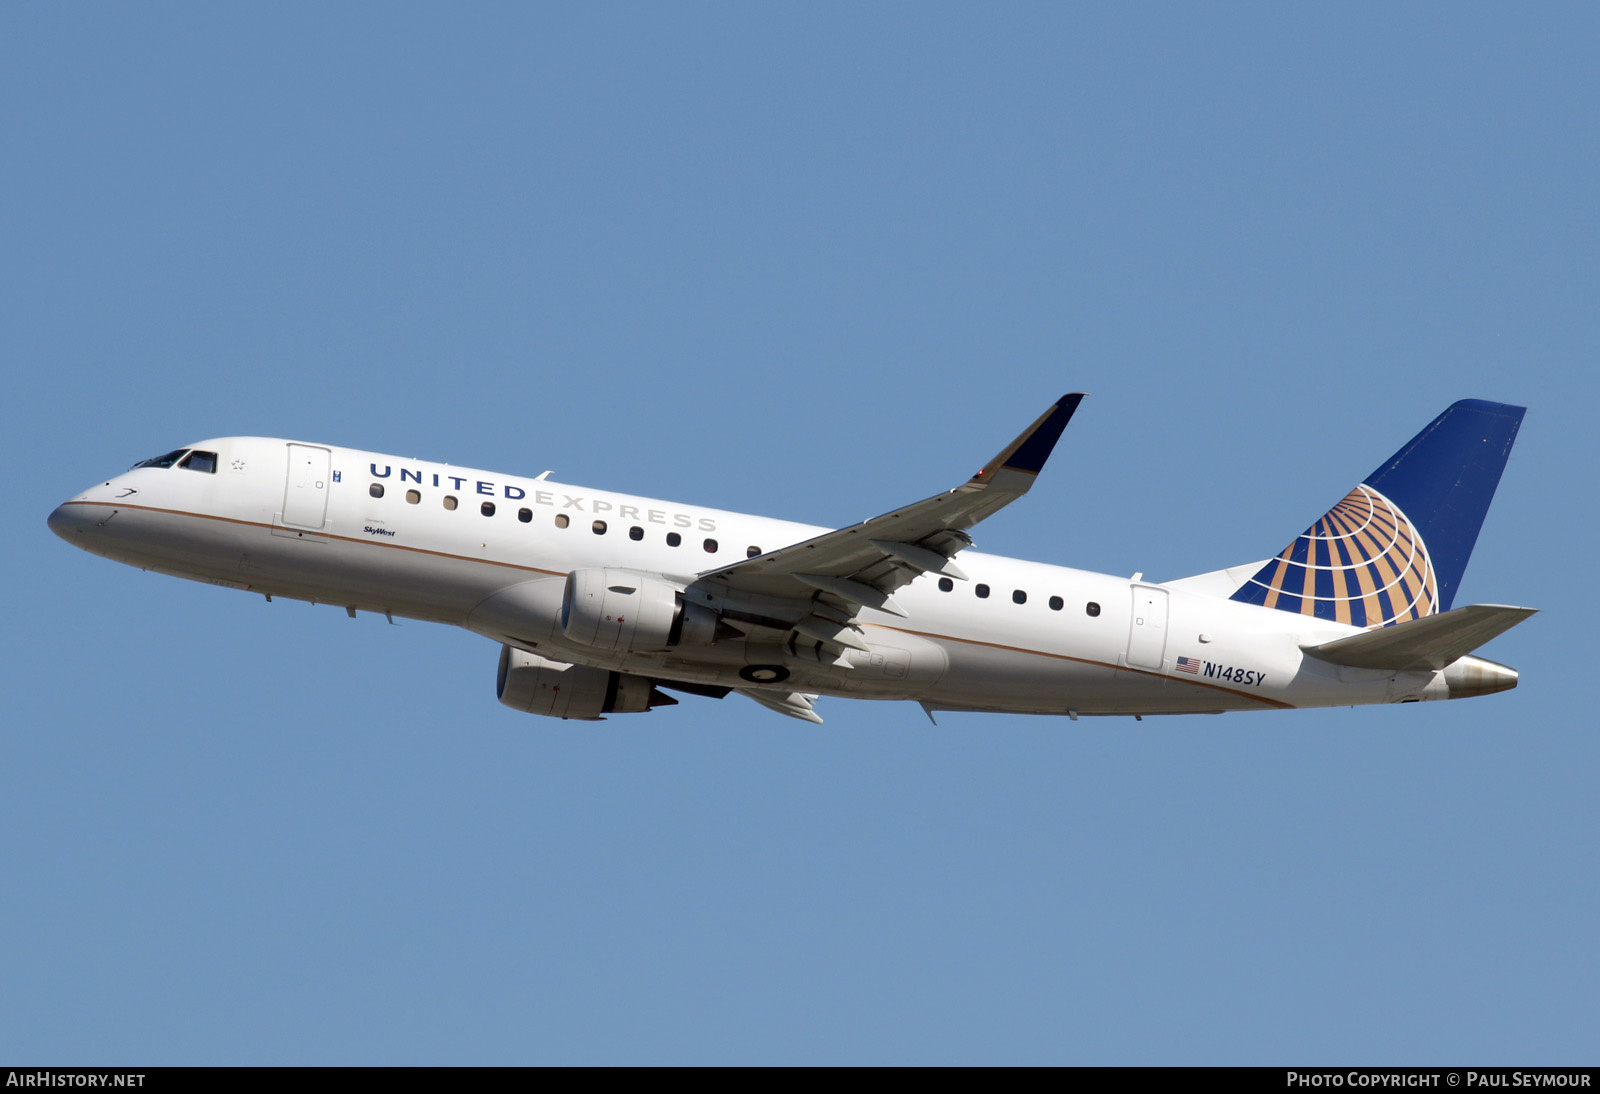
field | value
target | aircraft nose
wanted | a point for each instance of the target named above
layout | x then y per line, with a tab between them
67	520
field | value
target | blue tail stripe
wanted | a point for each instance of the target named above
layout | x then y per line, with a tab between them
1324	584
1444	479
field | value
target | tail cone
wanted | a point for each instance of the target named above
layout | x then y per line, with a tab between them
1470	676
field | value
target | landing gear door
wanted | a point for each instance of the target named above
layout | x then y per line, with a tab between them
305	493
1147	629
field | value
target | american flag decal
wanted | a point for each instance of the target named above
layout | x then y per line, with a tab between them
1189	665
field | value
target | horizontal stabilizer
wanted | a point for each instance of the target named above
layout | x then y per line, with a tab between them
1431	642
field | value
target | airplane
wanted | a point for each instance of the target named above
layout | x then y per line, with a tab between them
603	602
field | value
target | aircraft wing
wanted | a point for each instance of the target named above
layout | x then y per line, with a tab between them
862	565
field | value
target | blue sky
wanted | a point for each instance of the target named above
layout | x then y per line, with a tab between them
811	262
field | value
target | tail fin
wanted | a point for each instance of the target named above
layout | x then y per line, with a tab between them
1396	546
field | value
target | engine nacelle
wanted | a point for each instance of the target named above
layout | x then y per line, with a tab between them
530	683
627	611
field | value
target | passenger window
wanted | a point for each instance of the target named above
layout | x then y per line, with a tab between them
1018	596
487	508
201	461
945	584
376	489
561	520
635	533
752	551
673	539
599	527
711	546
413	496
1056	603
1092	608
449	501
525	515
982	591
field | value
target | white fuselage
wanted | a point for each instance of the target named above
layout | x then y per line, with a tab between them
491	553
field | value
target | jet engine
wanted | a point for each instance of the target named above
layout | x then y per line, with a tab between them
530	683
627	611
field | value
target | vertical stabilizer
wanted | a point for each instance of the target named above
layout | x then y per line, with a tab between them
1395	547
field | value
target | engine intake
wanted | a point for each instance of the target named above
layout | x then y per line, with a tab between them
530	683
629	611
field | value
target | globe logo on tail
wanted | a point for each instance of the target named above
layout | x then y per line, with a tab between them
1363	563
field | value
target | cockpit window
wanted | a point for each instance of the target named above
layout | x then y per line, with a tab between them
200	461
164	461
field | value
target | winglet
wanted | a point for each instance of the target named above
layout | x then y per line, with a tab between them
1029	452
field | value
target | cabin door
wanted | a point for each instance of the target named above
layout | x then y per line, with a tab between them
1147	630
305	494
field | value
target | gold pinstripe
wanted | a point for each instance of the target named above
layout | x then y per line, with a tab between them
556	573
325	535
